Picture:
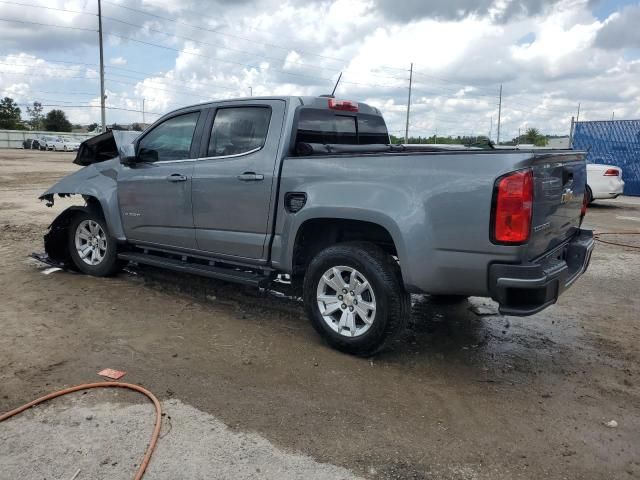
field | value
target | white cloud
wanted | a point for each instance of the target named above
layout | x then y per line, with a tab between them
118	61
299	48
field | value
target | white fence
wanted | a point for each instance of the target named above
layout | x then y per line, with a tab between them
14	138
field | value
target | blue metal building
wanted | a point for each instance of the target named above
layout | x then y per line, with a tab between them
615	142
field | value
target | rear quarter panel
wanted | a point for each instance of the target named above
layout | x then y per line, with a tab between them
436	206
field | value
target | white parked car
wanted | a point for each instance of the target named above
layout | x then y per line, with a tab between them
603	181
46	142
63	144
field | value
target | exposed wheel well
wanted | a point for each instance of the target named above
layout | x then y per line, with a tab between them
55	240
317	234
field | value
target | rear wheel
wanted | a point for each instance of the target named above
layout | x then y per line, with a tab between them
355	299
92	249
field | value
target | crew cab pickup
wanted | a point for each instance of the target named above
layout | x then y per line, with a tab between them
308	189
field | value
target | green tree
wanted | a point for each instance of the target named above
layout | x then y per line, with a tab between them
136	127
56	121
534	136
92	127
9	114
36	117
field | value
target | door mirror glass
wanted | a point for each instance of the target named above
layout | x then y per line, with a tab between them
147	155
127	154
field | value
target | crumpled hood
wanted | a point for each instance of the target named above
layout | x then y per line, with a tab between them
103	147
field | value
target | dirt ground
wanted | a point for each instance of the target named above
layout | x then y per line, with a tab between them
468	394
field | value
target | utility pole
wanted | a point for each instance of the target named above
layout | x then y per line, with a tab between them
571	131
143	119
613	115
499	115
102	96
578	115
251	91
491	128
406	128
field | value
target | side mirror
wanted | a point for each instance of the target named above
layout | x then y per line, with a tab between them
147	155
127	154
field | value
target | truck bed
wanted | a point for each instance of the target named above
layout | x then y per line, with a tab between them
436	205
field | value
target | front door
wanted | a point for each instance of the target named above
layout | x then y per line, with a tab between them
232	183
155	192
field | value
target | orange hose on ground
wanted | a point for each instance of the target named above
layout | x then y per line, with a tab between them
617	244
86	386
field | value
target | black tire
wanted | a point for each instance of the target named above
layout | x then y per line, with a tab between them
109	265
393	303
589	195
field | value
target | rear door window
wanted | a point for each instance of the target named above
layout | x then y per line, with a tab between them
238	130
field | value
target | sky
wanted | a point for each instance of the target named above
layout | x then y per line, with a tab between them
548	55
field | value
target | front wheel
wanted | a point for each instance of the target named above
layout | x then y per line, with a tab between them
92	249
354	298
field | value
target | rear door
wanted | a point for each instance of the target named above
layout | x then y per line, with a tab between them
559	182
234	178
155	193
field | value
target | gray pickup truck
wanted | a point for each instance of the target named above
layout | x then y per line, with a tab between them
308	189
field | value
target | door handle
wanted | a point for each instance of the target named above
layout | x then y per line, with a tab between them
176	177
251	177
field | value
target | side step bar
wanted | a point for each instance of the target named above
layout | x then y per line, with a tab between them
229	274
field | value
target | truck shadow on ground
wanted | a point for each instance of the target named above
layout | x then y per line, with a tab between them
467	335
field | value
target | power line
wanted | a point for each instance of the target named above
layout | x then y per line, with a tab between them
182	37
31	75
9	20
159	89
244	52
142	82
92	106
38	65
220	60
63	93
47	7
237	37
145	80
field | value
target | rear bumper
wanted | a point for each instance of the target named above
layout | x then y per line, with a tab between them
529	288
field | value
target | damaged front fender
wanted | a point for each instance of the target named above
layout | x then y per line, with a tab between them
95	183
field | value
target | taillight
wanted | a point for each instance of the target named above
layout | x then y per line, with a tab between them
611	172
343	105
512	208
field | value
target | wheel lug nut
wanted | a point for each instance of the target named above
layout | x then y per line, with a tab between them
351	309
344	290
343	306
351	293
355	302
340	297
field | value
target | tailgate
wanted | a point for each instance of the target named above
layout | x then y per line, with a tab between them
559	185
